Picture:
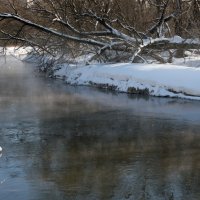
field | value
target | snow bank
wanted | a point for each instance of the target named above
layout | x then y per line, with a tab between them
165	80
180	79
18	52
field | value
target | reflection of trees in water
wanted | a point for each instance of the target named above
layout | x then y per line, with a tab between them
114	155
95	152
90	150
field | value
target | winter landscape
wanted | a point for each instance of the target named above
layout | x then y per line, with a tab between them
99	99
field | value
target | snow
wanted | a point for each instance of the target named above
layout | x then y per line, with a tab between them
159	79
191	60
179	79
17	52
177	39
173	40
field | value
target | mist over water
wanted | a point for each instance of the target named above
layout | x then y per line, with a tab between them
65	142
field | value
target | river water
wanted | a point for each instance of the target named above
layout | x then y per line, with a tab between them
65	142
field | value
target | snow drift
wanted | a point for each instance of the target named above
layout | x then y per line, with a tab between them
165	80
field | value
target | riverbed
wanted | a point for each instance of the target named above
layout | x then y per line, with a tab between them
67	142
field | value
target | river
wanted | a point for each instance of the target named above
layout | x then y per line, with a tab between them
66	142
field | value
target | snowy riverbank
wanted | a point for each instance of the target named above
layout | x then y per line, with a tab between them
180	79
165	80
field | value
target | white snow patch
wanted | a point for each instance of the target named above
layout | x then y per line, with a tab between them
18	52
176	39
191	60
160	79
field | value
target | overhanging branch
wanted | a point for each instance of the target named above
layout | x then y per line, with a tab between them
51	31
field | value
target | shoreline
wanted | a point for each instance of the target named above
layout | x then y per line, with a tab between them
179	79
150	79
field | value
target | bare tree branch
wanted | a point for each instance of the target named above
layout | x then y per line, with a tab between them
48	30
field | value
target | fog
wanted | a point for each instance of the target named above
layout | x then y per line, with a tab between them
67	142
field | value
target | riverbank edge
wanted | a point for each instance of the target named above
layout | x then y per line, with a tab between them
163	80
160	80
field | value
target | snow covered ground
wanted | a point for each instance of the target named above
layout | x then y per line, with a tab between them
19	53
165	80
180	79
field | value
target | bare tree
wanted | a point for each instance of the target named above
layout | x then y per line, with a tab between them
100	27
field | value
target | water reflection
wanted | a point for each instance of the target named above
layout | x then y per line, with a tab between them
64	142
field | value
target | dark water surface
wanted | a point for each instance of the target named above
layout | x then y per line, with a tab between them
64	142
